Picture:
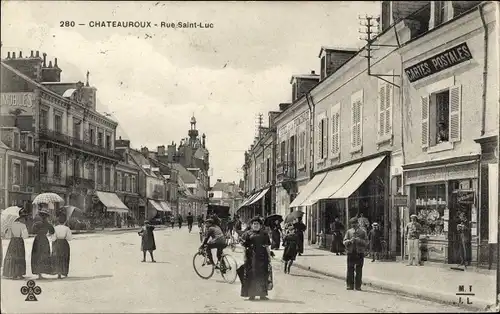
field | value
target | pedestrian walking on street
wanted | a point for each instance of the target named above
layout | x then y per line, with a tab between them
60	248
290	240
148	240
15	259
257	261
356	242
40	253
413	230
364	223
375	238
337	230
179	221
190	220
276	235
172	221
300	228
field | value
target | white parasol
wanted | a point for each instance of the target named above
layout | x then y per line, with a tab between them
70	210
9	215
46	198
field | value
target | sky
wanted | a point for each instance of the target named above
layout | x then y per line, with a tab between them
152	80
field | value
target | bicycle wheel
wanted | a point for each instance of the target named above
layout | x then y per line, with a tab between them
203	270
228	271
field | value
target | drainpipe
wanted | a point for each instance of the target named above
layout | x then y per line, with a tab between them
497	26
485	67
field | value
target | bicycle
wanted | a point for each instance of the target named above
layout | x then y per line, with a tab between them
202	233
225	265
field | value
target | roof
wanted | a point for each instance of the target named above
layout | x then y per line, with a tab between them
340	49
69	92
2	145
305	76
186	176
222	186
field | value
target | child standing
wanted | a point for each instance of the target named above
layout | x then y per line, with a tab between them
148	240
290	242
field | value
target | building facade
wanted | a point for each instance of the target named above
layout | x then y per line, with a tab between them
260	191
226	194
451	124
74	142
126	186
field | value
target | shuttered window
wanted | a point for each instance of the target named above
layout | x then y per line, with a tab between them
425	121
302	149
356	121
335	125
324	144
385	105
455	113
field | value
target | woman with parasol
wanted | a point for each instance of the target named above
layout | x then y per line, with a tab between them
15	258
40	253
60	247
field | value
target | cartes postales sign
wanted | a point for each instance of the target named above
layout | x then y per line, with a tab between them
439	62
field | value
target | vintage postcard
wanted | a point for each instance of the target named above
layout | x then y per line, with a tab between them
249	157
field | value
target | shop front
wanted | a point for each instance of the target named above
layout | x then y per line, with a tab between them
444	196
109	208
21	199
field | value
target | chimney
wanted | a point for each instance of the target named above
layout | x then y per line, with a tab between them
20	54
44	60
333	58
8	54
219	180
171	150
32	56
284	106
50	73
145	151
161	150
13	55
37	55
203	137
55	63
28	66
313	72
50	64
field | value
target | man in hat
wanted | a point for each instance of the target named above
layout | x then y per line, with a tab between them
375	238
412	232
356	242
217	240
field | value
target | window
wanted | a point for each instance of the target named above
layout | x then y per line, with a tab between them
91	171
323	67
29	144
335	131
356	121
268	170
431	202
129	187
44	121
92	136
283	151
107	177
99	139
119	181
124	183
322	138
441	117
57	165
76	167
133	185
1	171
385	101
16	173
58	123
16	141
108	141
440	12
43	162
30	175
76	128
99	174
302	149
292	150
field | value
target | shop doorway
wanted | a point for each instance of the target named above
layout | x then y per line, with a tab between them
459	231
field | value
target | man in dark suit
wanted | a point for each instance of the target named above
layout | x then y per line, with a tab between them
356	242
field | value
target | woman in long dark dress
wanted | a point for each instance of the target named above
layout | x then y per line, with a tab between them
337	241
290	241
15	259
300	228
276	235
257	261
60	248
40	253
148	241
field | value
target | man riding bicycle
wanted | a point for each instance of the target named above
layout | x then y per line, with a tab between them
217	241
190	220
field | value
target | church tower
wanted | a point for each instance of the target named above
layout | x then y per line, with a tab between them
193	132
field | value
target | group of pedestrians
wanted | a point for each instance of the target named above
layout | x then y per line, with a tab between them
43	261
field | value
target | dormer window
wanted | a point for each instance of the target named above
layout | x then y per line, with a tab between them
323	67
294	91
441	12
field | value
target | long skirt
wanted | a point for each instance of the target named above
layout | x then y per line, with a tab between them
275	237
148	242
15	259
256	269
290	252
60	257
40	256
300	242
337	245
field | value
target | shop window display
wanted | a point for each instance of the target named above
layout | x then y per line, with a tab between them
431	205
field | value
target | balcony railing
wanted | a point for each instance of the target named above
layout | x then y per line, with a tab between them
27	188
44	178
81	182
46	134
286	171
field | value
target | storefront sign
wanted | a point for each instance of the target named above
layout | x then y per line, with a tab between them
439	62
399	200
465	197
12	101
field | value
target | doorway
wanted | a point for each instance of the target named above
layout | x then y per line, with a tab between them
460	214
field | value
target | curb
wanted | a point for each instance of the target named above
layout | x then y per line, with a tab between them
478	305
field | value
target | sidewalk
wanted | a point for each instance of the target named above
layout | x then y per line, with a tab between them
108	230
435	282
